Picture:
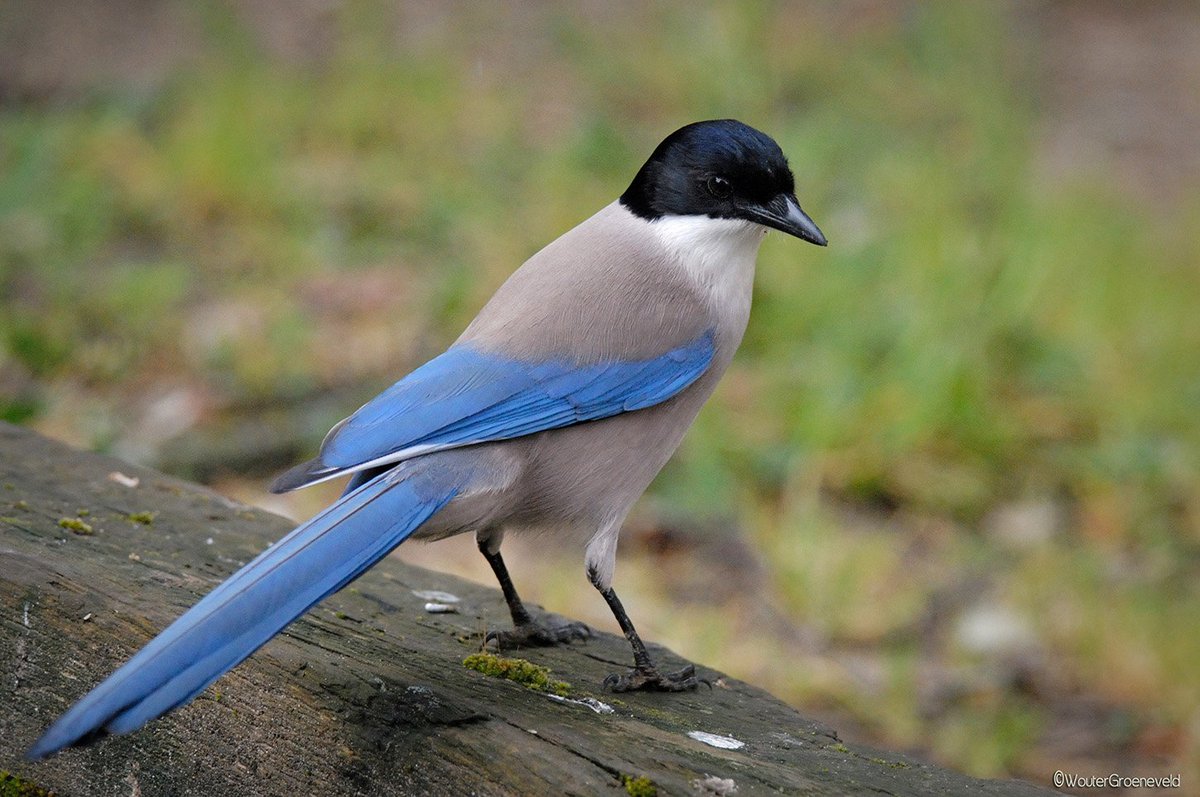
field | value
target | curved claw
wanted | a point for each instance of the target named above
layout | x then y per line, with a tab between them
538	635
651	679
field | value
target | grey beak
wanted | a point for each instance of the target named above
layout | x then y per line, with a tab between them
783	213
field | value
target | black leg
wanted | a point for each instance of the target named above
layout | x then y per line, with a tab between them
644	674
520	615
526	631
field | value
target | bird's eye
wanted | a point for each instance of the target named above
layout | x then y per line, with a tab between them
718	187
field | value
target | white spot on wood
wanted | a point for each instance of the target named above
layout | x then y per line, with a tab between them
590	702
436	595
441	608
711	784
715	740
25	615
123	480
135	785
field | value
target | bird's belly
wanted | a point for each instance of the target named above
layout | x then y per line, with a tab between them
582	477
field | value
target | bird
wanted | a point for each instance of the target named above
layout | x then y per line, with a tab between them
552	412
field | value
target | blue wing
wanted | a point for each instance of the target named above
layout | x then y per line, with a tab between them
466	396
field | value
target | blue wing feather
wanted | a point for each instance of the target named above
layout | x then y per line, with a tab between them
467	396
241	614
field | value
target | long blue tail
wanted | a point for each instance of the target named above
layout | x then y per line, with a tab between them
255	603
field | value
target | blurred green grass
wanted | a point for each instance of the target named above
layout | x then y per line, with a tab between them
974	338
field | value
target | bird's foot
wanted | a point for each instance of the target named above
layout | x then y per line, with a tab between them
539	635
651	679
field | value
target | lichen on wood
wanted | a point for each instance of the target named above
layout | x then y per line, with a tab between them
524	672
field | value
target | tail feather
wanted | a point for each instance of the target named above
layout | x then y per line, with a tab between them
243	613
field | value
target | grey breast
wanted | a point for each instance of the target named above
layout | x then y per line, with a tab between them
602	290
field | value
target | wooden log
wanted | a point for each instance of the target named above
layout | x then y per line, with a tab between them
367	693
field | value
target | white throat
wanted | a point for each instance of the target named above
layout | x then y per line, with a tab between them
717	254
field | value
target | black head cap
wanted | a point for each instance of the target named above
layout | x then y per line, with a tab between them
720	169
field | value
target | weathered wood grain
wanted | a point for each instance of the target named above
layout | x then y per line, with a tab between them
365	695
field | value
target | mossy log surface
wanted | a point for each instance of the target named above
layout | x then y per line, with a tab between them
367	693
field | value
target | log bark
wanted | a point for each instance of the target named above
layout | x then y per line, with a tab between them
367	693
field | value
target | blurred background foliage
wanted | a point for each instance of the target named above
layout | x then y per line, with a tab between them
948	496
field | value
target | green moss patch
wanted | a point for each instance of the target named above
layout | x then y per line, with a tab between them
640	786
12	786
75	525
523	672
